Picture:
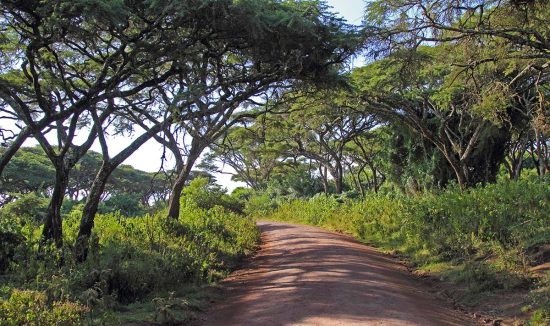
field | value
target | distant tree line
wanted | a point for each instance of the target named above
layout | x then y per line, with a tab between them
30	171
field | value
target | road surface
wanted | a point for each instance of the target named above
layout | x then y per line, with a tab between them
307	276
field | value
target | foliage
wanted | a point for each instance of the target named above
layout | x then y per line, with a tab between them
29	208
26	307
134	258
202	194
488	231
125	203
28	171
451	93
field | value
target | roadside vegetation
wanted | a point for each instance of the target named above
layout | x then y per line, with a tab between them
140	268
436	148
487	240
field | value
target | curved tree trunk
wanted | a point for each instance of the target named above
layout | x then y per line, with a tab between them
459	168
53	225
175	194
197	146
98	186
89	211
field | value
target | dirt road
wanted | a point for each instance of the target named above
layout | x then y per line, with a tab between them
306	276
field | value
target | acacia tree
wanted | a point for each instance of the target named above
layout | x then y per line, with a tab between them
108	166
362	153
258	153
305	48
252	151
512	35
238	52
321	126
410	23
464	111
77	60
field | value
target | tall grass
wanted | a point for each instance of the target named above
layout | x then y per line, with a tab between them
484	233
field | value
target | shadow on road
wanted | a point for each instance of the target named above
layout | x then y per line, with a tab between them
307	276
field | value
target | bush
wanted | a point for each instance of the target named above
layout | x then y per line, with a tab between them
29	208
499	222
131	259
18	222
139	256
32	308
127	204
202	194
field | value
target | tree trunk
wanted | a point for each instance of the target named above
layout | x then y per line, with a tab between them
361	188
53	226
337	174
374	179
174	202
354	179
458	168
324	178
541	153
368	179
514	167
89	211
98	186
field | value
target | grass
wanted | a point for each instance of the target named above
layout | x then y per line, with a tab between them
479	239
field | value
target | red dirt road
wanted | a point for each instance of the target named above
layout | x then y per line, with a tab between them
307	276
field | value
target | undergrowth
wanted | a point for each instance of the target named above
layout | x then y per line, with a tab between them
140	264
480	237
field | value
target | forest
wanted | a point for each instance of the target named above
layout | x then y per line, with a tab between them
436	149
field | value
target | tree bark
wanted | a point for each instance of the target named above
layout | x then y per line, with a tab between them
356	182
374	179
458	168
541	153
361	188
324	178
197	146
89	211
337	174
53	225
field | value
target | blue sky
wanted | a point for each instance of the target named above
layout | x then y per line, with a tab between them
351	10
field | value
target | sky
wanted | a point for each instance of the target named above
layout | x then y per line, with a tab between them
352	10
147	158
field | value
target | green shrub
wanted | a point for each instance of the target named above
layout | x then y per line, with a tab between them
28	208
242	194
127	204
487	229
202	194
131	259
139	256
32	308
259	205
